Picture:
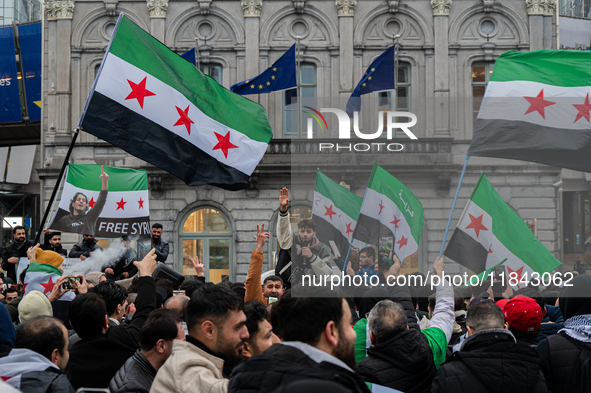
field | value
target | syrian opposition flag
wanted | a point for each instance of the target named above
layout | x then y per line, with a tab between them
20	368
390	209
124	211
537	108
42	277
489	231
335	213
157	106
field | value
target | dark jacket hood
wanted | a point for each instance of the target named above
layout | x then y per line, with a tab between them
575	300
7	333
404	351
495	359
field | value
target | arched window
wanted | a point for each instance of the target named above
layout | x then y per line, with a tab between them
207	234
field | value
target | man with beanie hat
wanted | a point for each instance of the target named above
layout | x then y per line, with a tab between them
524	316
34	304
562	355
95	278
15	251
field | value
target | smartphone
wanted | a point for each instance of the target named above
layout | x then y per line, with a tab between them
272	299
71	283
176	293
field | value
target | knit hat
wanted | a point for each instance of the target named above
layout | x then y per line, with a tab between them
34	304
523	313
94	277
49	257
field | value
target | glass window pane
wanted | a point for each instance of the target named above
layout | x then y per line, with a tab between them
489	67
308	74
195	222
384	100
478	73
308	92
216	223
403	74
291	98
219	260
403	102
191	248
216	73
477	94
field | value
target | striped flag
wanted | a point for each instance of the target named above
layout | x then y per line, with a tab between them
390	209
122	210
537	108
335	213
157	106
489	231
42	277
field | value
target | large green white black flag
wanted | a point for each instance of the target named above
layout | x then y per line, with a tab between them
92	206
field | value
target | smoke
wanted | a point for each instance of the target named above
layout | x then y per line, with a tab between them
98	260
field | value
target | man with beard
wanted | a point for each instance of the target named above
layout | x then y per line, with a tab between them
158	244
15	251
53	242
308	255
80	219
317	352
217	331
85	249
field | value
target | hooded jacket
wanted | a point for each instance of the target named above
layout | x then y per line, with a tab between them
281	365
491	361
31	372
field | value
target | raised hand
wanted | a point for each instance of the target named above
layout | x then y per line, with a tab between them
30	254
438	266
199	267
57	292
261	237
283	199
147	265
105	179
395	268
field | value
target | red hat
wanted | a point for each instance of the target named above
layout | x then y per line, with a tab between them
523	313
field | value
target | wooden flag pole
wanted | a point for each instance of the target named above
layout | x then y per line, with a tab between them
453	206
57	185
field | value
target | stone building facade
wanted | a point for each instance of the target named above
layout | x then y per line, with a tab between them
448	49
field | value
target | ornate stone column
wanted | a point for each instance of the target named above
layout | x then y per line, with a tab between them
540	23
441	26
59	19
252	18
157	17
345	12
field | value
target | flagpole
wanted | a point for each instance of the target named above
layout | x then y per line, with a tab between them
57	185
299	82
197	55
453	206
395	38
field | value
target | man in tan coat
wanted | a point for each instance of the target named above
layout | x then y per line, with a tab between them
217	331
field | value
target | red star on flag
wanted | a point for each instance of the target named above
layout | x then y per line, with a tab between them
184	118
5	378
537	104
395	222
120	205
329	212
25	287
48	286
519	274
224	143
139	92
476	224
91	203
402	242
348	230
583	109
381	207
141	203
490	249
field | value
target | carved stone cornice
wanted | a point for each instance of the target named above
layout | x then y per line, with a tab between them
111	7
488	5
540	7
393	6
252	8
441	7
204	6
157	8
346	7
56	10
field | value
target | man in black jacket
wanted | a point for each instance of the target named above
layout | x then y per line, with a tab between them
317	349
102	349
53	242
41	352
15	251
137	374
85	249
158	244
490	360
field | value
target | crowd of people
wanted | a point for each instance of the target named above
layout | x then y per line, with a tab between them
137	332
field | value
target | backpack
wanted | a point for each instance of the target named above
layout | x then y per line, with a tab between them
581	381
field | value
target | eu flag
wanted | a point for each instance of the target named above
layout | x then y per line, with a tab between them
190	56
280	76
378	77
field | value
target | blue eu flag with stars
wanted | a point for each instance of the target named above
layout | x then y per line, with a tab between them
280	76
378	77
